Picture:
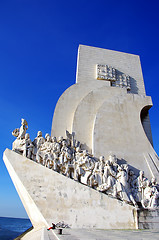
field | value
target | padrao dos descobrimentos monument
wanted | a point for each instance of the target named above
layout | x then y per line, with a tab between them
98	168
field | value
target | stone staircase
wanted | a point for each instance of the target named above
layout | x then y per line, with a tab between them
148	219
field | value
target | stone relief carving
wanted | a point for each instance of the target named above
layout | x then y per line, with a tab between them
65	156
117	78
105	72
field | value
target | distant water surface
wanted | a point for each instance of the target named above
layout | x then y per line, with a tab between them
11	228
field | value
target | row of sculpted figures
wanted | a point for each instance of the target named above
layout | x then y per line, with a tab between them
105	175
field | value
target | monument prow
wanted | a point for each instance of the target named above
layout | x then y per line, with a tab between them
51	197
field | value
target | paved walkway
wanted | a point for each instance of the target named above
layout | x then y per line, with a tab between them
91	234
83	234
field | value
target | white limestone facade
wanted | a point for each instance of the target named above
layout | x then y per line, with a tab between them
106	110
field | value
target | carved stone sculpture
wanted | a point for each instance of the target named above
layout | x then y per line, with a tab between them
154	200
38	141
117	79
28	147
66	157
19	144
23	128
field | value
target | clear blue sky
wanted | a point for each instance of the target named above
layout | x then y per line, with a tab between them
38	51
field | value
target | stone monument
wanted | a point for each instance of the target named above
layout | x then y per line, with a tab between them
98	169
